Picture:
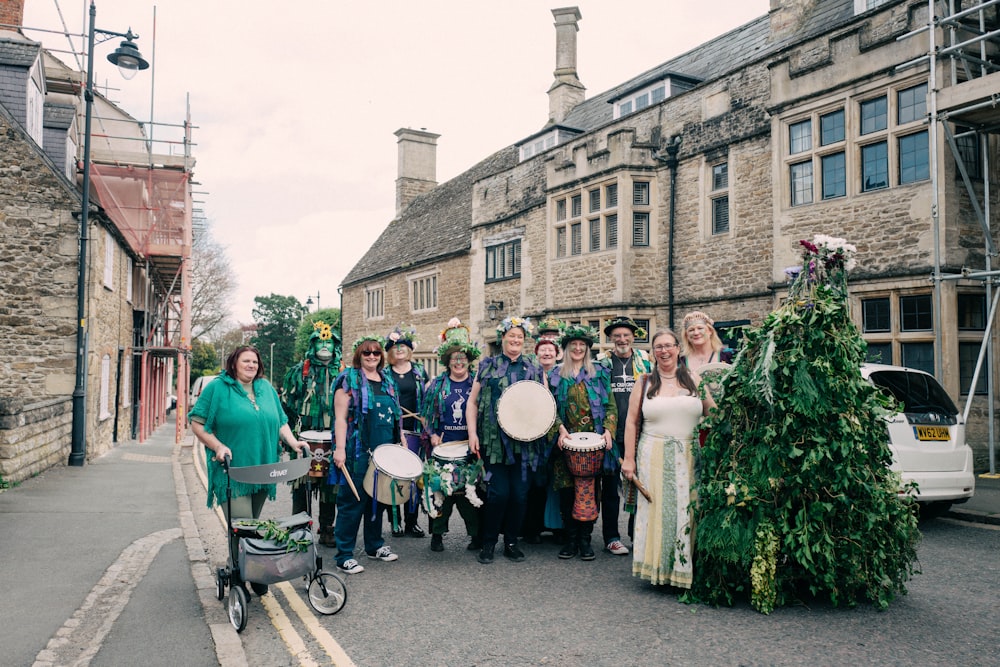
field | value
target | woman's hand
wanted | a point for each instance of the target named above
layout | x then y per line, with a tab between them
339	456
299	446
628	468
474	443
221	452
435	440
609	442
563	436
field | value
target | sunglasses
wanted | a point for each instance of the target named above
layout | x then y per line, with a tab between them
371	353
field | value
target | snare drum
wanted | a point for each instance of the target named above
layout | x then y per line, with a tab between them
319	445
391	472
584	455
453	452
526	410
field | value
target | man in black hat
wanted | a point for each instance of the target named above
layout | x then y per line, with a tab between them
626	365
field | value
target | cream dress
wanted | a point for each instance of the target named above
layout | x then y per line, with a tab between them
665	465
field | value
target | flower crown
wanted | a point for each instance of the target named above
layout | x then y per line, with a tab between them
551	324
322	330
364	339
455	329
578	332
512	323
694	315
403	333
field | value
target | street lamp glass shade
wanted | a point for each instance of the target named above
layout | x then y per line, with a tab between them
128	59
309	301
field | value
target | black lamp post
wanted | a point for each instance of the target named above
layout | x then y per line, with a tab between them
309	301
129	61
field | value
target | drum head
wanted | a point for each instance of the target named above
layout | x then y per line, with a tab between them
453	451
397	462
526	410
584	442
712	374
313	437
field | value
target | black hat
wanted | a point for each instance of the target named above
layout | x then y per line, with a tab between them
616	322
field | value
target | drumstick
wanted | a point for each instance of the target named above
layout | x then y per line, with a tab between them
407	413
350	482
638	484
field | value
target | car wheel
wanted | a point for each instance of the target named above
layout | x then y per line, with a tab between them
934	510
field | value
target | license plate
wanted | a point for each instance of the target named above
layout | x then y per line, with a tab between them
932	432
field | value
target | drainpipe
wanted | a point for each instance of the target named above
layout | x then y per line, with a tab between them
672	147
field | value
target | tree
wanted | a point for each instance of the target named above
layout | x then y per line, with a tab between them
204	359
329	315
212	285
796	498
277	318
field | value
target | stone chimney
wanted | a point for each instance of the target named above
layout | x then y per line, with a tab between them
11	13
566	91
786	17
417	169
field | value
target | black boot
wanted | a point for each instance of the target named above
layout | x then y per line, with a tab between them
586	551
572	547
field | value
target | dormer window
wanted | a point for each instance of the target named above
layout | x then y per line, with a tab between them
649	94
543	141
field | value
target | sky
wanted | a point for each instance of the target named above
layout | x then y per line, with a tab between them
295	104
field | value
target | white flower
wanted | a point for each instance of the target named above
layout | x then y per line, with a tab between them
470	494
454	322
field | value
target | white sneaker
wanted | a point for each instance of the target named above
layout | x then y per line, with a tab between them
351	566
617	548
384	553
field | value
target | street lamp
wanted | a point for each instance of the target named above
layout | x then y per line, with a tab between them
129	61
271	374
309	301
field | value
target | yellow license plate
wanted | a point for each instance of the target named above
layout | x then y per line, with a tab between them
932	432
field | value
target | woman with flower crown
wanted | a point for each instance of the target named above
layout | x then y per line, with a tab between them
584	403
700	342
508	462
366	414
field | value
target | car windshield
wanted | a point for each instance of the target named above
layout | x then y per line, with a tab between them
915	391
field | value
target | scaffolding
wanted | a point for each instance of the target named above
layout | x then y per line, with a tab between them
963	59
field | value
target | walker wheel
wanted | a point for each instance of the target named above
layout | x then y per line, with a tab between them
238	607
327	593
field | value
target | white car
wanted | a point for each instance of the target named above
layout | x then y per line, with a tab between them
927	439
198	386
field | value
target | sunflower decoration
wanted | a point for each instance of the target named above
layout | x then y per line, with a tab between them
324	330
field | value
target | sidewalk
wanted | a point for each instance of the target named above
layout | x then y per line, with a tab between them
98	564
983	506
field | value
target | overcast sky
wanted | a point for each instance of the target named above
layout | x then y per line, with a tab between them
295	103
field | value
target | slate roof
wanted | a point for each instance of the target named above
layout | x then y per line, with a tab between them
437	223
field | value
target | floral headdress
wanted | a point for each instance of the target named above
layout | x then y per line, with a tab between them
455	329
547	340
825	263
694	316
403	334
578	332
456	338
551	324
627	322
512	323
321	330
364	339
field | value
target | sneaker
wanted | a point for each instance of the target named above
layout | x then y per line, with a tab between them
587	551
513	553
486	553
384	553
350	566
617	548
569	550
415	531
437	543
475	544
398	532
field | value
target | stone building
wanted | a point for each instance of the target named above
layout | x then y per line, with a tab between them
690	185
132	321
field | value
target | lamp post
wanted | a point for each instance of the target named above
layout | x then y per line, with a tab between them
129	61
309	301
271	374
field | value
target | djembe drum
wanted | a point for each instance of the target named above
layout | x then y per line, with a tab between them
319	445
584	455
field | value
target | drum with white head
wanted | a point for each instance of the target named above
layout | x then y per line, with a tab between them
526	410
390	474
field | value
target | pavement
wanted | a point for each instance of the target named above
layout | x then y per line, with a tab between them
104	563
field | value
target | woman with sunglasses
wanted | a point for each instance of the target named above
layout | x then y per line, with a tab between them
366	415
666	408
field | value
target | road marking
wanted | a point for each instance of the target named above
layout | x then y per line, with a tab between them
292	640
971	524
78	640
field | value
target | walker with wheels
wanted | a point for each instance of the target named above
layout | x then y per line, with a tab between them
272	551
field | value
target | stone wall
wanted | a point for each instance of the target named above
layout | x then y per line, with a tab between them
33	437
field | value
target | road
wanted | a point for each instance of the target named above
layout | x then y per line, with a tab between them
446	609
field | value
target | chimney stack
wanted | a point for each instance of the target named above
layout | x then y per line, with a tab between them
417	168
11	13
566	91
786	17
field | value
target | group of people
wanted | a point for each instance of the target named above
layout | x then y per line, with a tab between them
635	414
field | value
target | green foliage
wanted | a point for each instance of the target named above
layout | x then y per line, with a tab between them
796	498
270	530
329	315
204	359
278	319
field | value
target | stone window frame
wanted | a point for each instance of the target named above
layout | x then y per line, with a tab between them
104	404
109	260
423	291
803	170
129	272
127	379
719	197
509	252
587	209
375	302
896	337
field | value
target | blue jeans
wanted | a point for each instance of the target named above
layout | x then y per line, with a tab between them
350	513
506	499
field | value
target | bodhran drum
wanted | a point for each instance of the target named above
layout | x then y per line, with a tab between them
391	472
713	375
584	455
411	441
526	410
319	445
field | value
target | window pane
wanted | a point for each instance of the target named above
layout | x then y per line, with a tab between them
577	206
874	115
800	137
561	242
561	209
658	94
625	108
640	194
912	104
720	215
491	263
802	183
611	230
640	229
972	312
875	315
611	195
831	128
575	240
720	176
914	162
968	354
879	353
595	234
642	101
916	312
643	324
517	257
918	355
595	201
834	176
968	148
875	167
